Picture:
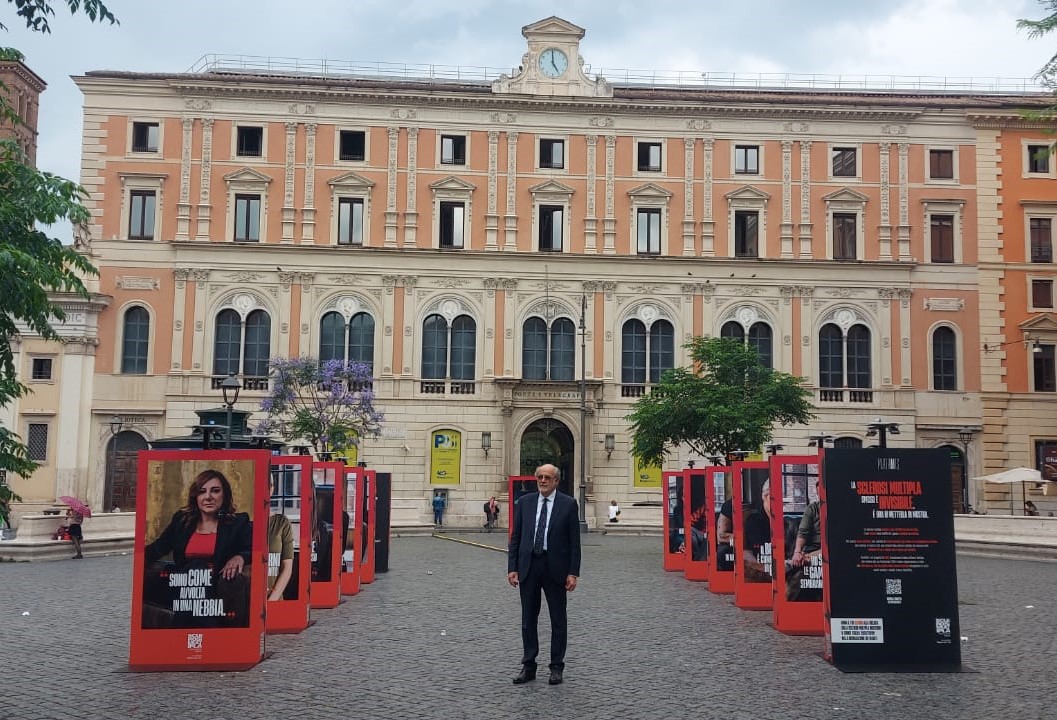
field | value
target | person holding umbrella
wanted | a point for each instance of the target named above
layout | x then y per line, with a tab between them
75	515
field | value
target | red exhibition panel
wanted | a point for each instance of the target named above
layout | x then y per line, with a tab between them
354	494
798	606
200	568
720	550
290	533
517	485
672	513
752	536
370	520
328	533
695	512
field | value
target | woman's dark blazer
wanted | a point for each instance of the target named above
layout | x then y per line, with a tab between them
234	537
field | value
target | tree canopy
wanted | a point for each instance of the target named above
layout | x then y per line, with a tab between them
328	404
32	263
728	400
1039	28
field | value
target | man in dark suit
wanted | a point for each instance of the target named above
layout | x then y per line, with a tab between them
544	555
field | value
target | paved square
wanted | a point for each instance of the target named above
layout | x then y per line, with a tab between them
438	637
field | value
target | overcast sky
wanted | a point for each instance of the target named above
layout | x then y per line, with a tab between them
952	38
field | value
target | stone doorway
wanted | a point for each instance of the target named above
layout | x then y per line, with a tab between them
549	441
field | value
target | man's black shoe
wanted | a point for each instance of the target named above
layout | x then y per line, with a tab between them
527	674
555	678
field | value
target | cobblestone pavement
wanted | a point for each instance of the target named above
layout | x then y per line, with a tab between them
643	644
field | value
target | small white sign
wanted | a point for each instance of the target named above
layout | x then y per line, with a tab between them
857	630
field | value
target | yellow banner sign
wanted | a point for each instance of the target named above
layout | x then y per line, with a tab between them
645	476
445	457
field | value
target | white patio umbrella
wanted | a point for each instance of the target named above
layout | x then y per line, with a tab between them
1014	475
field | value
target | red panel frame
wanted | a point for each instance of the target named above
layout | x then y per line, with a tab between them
792	617
719	581
327	593
350	573
511	482
167	650
674	560
292	616
747	595
696	570
371	517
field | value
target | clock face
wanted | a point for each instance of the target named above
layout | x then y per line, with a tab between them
553	62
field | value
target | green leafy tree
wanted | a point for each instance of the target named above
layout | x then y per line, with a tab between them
329	404
1039	28
33	264
728	400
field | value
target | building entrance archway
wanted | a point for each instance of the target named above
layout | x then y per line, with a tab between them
549	441
122	453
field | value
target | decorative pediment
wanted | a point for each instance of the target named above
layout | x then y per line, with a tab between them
350	181
553	25
650	190
452	184
247	175
846	195
1043	322
551	187
748	192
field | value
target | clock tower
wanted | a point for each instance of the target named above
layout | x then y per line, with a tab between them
552	64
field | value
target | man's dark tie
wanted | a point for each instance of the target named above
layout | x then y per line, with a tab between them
541	530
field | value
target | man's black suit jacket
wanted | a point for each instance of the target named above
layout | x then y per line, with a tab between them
563	537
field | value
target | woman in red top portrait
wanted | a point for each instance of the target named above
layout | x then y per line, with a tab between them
207	533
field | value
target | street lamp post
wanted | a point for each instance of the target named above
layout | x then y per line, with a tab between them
116	423
583	413
882	430
773	449
230	387
966	436
819	441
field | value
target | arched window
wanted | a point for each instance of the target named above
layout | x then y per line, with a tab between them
844	361
944	360
449	352
349	342
759	338
246	345
645	355
548	353
135	341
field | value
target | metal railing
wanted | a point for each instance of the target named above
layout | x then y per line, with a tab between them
248	383
438	74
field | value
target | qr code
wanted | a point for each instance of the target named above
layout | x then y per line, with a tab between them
194	641
893	586
943	626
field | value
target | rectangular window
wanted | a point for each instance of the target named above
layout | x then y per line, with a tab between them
453	149
746	159
249	142
145	136
141	214
353	145
551	226
941	164
941	230
1042	294
552	154
247	218
1039	159
1045	375
350	221
746	234
41	369
452	224
649	157
1041	240
844	236
648	226
37	442
843	162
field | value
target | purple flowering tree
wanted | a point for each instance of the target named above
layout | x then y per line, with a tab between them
328	404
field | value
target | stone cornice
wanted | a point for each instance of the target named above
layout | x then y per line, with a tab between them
1009	121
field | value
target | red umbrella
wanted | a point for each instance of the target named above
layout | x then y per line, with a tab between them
76	505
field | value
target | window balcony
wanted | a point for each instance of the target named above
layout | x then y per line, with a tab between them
633	390
454	387
835	396
248	383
